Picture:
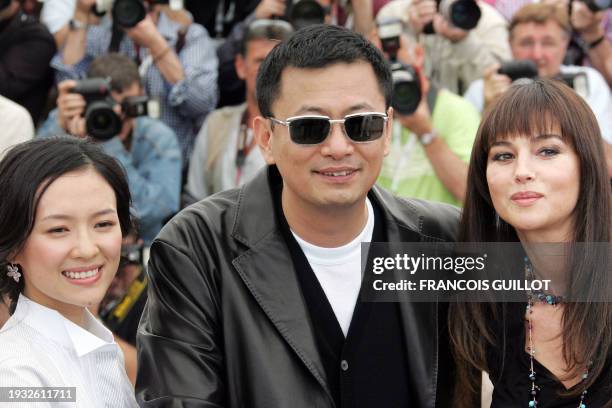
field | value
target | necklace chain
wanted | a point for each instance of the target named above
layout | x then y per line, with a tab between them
541	297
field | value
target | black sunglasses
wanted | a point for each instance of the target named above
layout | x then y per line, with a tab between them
360	127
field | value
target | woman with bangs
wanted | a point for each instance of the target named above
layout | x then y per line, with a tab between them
537	176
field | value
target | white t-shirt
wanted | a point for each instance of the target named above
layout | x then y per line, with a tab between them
338	270
41	348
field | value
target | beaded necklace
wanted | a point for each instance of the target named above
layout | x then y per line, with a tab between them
540	297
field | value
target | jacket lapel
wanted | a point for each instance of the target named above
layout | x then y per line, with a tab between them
419	320
276	289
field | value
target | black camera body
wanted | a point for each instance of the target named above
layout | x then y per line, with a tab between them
519	69
406	83
302	13
464	14
126	13
4	4
101	121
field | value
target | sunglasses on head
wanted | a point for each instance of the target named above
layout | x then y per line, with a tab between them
360	127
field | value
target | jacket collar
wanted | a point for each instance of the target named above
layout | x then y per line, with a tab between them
276	289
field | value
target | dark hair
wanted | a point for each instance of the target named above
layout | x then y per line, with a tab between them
527	108
272	30
26	171
319	46
122	71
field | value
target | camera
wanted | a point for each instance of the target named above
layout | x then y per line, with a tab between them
128	13
519	69
597	5
101	121
463	14
302	13
406	83
132	253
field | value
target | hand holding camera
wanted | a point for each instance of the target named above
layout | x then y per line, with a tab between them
70	109
87	108
587	22
270	8
421	13
495	84
145	34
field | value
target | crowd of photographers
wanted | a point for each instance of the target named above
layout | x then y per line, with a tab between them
167	87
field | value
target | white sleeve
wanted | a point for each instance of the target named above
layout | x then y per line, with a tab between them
475	94
57	13
600	101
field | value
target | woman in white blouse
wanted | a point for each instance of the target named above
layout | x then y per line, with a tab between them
65	207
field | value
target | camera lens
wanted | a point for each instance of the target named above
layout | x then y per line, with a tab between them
101	121
128	13
406	89
464	14
306	12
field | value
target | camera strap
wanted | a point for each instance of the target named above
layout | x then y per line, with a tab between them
432	95
116	37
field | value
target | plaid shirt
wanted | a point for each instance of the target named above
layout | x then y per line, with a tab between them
184	105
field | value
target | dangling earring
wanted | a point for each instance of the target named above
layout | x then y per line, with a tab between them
13	272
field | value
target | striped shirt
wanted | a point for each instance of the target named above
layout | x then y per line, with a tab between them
183	105
41	348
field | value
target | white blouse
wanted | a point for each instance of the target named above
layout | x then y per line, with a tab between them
41	348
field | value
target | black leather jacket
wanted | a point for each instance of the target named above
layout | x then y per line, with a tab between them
226	325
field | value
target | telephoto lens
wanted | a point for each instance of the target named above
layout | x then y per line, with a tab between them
406	83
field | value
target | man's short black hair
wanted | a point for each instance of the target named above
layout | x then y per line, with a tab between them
318	46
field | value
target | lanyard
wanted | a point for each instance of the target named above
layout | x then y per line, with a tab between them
242	148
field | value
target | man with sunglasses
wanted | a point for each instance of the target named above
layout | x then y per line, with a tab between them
254	296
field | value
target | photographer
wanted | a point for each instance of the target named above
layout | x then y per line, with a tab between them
431	146
176	57
26	47
360	18
540	33
16	124
147	149
455	56
596	41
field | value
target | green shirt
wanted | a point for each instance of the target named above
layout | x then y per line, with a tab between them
407	171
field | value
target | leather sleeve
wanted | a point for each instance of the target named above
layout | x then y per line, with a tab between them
180	360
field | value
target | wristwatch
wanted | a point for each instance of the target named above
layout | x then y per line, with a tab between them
427	138
74	25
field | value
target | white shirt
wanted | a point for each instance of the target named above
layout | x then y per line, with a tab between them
597	95
338	270
57	13
41	348
16	124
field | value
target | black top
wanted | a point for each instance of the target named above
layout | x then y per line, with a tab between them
510	375
26	48
368	368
